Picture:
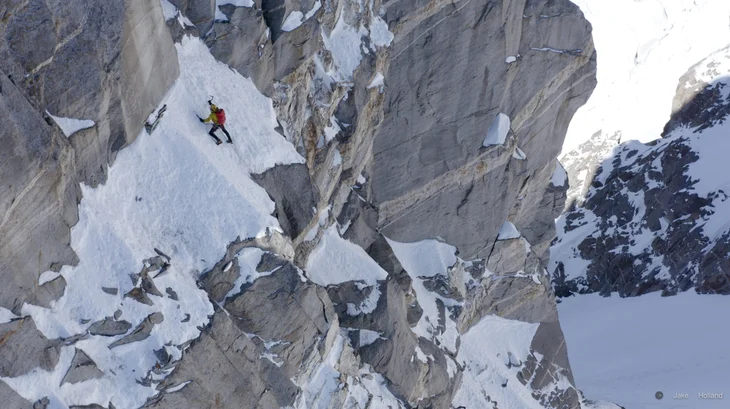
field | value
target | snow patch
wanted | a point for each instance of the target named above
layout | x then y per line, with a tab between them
70	126
560	176
377	81
508	231
336	260
368	337
497	133
510	59
423	260
297	18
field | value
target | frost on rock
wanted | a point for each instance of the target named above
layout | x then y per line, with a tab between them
492	353
219	203
424	260
508	231
70	126
498	130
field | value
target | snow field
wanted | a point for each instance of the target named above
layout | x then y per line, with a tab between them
174	190
624	350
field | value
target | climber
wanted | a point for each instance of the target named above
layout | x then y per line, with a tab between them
218	118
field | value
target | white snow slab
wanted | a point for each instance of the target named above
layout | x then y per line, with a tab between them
421	260
70	126
508	231
498	130
336	260
379	33
485	350
377	80
178	192
644	47
560	176
624	350
510	59
297	18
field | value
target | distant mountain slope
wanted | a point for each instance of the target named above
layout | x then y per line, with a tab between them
656	216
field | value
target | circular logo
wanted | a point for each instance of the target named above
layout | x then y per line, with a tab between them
659	395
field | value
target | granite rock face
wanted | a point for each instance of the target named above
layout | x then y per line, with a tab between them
390	104
651	219
106	62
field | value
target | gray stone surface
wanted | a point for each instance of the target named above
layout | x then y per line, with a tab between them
109	328
429	163
110	62
280	307
142	331
291	189
82	369
23	348
226	371
418	143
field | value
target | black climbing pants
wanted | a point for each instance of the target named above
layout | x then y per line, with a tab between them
215	128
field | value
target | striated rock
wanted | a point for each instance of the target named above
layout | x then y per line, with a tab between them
82	369
23	348
226	369
106	62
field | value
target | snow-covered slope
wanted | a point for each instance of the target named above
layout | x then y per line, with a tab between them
647	210
656	216
625	350
175	191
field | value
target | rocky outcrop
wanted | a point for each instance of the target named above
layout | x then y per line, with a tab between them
650	220
106	62
390	105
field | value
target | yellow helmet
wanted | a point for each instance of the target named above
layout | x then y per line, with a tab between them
213	108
